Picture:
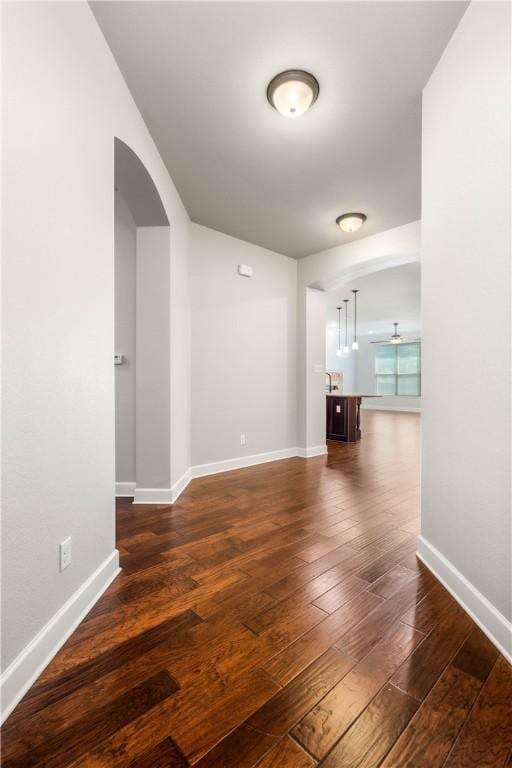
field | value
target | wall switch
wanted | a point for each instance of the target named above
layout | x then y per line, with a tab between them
243	440
118	359
64	553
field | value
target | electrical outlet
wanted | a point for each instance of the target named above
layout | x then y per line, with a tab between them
64	553
243	440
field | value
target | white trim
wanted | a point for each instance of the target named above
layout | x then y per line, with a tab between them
497	628
125	489
405	408
162	495
21	673
170	495
309	453
153	496
180	485
202	470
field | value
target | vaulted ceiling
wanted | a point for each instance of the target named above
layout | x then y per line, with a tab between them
199	70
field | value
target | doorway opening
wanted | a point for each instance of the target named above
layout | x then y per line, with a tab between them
372	356
142	331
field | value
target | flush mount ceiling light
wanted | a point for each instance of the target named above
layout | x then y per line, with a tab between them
293	92
351	222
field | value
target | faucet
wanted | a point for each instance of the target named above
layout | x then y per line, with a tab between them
330	380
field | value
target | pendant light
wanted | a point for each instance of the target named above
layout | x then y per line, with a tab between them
355	344
339	350
345	347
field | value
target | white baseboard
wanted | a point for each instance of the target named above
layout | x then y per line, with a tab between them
308	453
497	628
125	489
170	495
180	485
202	470
152	496
21	674
403	408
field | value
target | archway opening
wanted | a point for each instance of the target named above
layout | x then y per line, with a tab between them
142	331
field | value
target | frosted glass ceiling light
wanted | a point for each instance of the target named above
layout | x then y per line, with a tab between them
293	92
351	222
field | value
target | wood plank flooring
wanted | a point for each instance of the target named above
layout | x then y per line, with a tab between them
275	617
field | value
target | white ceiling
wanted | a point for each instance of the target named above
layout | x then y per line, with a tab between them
384	297
199	70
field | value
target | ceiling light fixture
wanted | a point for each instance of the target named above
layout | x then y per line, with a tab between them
345	347
355	344
293	92
350	222
396	338
339	351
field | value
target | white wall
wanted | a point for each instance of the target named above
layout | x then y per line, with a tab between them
64	102
153	359
125	255
315	370
344	364
243	348
466	268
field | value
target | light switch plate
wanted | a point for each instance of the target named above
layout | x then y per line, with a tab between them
64	553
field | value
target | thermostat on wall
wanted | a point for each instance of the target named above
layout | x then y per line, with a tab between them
244	270
118	359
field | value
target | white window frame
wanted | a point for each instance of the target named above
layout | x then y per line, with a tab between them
397	375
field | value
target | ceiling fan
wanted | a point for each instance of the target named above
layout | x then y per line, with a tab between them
395	338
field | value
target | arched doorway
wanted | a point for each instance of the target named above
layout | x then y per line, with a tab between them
142	332
312	324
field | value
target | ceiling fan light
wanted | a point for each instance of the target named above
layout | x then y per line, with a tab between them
351	222
396	338
292	92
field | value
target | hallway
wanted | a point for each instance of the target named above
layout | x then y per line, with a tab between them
275	616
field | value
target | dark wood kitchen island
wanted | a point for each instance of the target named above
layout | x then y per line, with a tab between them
343	416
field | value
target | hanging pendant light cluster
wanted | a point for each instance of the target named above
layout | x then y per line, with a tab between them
344	350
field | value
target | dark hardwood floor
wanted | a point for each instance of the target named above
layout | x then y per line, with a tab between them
276	617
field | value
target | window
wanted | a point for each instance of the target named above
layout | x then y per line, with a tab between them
398	369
